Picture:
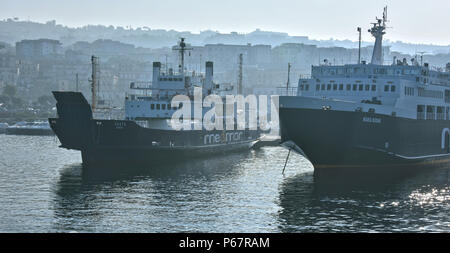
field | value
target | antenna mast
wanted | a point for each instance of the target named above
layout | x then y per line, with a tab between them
288	79
94	81
239	89
359	47
182	48
378	30
167	71
76	80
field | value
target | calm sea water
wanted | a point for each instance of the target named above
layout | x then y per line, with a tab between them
43	188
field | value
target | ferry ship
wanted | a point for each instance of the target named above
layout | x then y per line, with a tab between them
370	115
145	135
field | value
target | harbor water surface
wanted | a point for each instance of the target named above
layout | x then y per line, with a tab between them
43	188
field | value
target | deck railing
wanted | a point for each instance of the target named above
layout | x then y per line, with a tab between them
283	91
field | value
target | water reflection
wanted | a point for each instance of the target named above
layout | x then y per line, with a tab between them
87	199
410	203
48	191
246	192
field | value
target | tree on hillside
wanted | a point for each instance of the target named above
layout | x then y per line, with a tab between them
9	90
46	101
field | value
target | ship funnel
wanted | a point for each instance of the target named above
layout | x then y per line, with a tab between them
209	75
155	79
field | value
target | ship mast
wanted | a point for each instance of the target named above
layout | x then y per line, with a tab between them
359	45
378	30
182	48
239	88
288	79
94	81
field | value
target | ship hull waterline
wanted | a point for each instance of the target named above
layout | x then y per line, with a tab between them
336	142
124	142
137	146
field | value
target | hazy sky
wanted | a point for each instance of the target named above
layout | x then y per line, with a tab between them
415	21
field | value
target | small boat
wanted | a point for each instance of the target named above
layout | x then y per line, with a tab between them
30	128
3	127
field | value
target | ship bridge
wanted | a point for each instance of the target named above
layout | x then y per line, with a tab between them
152	100
403	84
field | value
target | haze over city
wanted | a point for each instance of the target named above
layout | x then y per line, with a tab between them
319	20
47	45
254	117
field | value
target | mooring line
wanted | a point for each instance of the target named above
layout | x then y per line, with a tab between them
286	160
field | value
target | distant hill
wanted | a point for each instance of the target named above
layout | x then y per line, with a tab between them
13	30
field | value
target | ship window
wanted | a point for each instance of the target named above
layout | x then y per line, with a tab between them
374	87
158	106
386	88
163	106
447	96
341	86
349	86
440	113
393	88
307	87
329	87
409	91
430	112
355	87
334	86
361	87
420	112
323	86
317	86
367	87
168	107
152	106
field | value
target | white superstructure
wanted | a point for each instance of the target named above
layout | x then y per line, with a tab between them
406	88
149	104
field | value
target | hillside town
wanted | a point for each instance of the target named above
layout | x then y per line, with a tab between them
37	58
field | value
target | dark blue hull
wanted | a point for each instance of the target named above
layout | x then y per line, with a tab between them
115	142
361	140
149	156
